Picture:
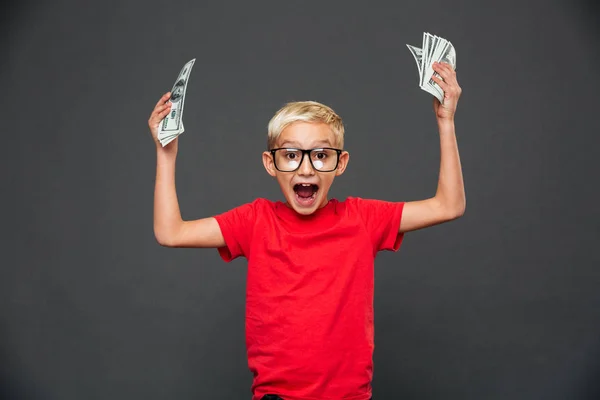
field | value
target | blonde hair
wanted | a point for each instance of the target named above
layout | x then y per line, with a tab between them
305	111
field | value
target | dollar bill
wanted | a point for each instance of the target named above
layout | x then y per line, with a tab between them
418	55
172	125
447	55
435	49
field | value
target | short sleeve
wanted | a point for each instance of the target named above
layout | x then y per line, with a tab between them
236	226
382	222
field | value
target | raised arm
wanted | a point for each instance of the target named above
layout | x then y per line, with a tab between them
449	201
169	228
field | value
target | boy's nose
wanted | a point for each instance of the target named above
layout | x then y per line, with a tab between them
306	167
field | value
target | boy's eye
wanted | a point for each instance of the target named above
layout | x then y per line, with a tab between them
291	156
321	156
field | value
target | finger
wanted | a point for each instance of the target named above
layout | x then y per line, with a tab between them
440	70
162	107
451	72
445	66
444	71
449	78
440	82
159	115
164	98
165	111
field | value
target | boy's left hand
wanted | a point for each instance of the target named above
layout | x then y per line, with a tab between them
452	91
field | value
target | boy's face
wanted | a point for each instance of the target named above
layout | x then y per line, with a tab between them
305	189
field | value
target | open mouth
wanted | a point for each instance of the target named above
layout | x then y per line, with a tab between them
306	193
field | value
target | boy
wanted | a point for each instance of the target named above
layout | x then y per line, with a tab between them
309	300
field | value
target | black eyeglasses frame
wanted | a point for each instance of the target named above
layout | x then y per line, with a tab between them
306	152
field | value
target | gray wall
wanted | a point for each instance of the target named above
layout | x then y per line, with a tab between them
501	304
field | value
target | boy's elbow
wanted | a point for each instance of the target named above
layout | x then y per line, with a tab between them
458	211
160	240
163	243
163	239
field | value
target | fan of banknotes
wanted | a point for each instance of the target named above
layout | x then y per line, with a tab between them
434	49
172	125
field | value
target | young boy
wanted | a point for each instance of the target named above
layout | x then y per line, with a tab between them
309	300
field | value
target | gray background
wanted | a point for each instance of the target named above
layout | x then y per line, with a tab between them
501	304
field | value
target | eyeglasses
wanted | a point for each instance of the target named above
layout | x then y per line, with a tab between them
324	159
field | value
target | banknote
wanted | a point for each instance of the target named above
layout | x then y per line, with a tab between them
172	125
417	54
434	49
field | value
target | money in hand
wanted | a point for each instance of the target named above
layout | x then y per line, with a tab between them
434	49
172	125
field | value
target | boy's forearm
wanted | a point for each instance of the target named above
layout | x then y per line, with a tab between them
167	216
450	191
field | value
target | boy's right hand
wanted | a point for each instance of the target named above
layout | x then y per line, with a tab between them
159	113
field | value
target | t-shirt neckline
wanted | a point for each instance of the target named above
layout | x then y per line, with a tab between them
288	213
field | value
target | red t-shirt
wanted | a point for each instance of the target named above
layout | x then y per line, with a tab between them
309	299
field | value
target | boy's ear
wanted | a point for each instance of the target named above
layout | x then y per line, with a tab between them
343	163
268	163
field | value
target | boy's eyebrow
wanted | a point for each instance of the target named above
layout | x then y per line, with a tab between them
296	145
289	144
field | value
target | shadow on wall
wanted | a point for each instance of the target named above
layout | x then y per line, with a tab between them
590	11
14	383
590	389
13	14
13	10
